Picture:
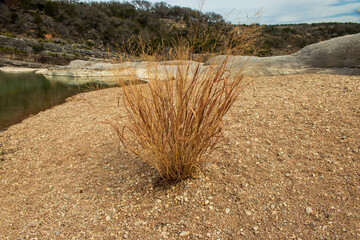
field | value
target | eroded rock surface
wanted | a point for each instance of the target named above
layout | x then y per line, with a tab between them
339	55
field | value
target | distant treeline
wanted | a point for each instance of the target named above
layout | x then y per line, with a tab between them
127	25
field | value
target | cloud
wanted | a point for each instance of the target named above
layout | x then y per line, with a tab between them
310	12
279	11
345	2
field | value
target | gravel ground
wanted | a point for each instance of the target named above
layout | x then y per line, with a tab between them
289	169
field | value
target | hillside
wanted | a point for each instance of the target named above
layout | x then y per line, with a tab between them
287	39
93	29
101	24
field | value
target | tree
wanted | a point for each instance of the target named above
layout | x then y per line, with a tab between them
161	9
142	5
51	8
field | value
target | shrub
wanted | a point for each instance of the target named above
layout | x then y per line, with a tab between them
176	119
11	50
38	47
38	20
90	43
52	54
7	34
51	8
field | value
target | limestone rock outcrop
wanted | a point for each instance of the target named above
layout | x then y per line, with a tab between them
337	52
338	55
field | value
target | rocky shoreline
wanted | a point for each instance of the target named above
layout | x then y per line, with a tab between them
335	56
57	48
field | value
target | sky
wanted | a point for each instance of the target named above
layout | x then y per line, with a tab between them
278	11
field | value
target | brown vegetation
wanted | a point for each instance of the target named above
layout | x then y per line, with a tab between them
174	123
175	120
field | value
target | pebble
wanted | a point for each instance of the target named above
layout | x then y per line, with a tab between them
184	233
248	212
108	218
309	210
227	210
207	202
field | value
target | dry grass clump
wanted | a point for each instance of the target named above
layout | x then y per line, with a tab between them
176	119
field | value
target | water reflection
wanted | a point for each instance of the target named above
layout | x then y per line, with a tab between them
23	94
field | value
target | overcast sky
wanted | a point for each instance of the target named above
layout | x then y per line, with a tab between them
280	11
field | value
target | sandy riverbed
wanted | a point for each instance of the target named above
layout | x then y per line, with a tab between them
289	169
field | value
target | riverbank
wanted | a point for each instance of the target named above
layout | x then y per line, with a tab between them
335	56
19	69
288	169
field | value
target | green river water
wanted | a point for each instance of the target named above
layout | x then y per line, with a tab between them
25	94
